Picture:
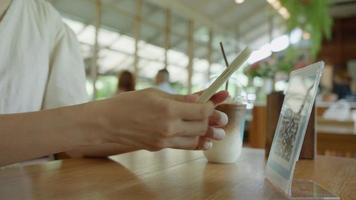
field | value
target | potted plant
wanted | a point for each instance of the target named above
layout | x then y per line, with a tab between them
313	17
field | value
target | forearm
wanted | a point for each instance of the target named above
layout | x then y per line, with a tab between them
101	151
147	119
30	135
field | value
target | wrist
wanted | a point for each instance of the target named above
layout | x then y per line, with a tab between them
98	123
87	122
78	125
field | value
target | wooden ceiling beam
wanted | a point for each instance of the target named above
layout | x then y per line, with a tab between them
191	13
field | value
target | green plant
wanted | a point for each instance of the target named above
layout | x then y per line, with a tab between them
286	62
311	16
105	86
261	69
278	63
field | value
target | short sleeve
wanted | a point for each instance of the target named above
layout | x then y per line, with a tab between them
66	80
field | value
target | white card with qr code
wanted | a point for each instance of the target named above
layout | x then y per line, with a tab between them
292	124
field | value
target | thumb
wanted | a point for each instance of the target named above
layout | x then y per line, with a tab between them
219	97
216	99
190	98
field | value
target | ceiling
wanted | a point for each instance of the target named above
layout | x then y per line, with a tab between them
253	23
343	8
234	24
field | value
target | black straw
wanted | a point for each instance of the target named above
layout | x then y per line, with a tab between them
226	63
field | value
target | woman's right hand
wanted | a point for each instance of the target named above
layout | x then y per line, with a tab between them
151	119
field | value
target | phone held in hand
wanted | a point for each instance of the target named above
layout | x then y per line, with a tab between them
236	64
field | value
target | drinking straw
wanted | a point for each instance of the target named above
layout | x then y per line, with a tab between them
236	63
226	64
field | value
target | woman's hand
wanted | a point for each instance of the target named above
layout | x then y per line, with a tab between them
147	119
153	120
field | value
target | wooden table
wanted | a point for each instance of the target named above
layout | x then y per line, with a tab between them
258	127
336	137
169	174
337	144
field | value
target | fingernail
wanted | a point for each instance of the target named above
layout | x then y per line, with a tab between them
219	134
207	145
223	119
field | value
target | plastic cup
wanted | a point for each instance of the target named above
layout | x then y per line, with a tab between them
229	149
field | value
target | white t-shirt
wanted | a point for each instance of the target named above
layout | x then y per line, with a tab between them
40	62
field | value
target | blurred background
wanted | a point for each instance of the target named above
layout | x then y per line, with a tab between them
182	37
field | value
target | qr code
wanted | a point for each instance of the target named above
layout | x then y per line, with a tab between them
287	135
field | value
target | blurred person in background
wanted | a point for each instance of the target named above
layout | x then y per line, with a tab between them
341	83
162	81
126	82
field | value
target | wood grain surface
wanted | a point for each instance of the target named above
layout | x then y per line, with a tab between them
168	174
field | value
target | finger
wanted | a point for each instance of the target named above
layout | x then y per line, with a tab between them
199	92
191	98
192	128
188	110
188	143
204	143
219	97
192	111
218	119
215	133
207	145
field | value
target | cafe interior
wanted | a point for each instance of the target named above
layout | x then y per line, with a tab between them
194	41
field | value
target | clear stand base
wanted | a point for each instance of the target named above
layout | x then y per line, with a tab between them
307	189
